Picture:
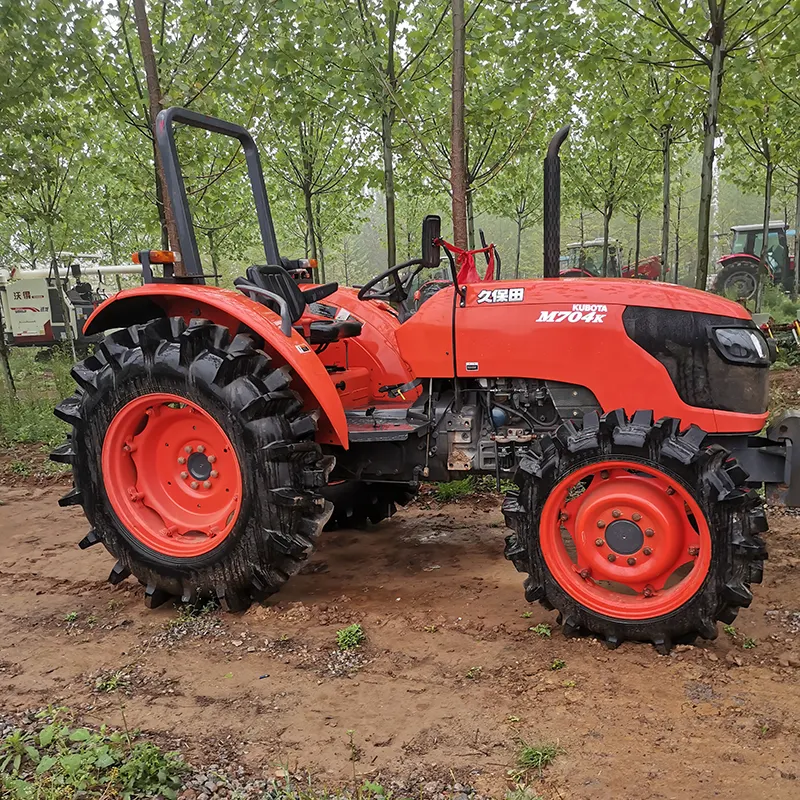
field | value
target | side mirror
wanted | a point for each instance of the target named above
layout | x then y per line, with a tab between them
431	231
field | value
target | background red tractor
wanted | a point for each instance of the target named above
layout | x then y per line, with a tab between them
586	261
215	432
737	277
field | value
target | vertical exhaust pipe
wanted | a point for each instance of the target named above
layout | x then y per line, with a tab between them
552	204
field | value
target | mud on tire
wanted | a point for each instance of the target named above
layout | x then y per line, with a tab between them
707	475
281	512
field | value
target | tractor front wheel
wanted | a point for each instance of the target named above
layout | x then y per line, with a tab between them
194	463
634	530
737	280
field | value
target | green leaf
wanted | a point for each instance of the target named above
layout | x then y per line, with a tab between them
79	735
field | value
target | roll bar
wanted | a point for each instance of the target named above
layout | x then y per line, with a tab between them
165	139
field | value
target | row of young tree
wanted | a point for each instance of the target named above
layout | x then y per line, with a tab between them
416	106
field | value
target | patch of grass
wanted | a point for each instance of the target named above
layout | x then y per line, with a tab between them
58	761
20	468
749	643
454	490
534	758
542	629
558	663
473	673
350	637
526	614
113	681
730	630
430	629
521	792
71	617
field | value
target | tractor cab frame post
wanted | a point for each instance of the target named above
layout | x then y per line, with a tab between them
165	138
552	204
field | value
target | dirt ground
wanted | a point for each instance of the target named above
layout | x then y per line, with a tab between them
451	676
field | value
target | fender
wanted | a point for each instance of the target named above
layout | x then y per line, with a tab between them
232	309
744	257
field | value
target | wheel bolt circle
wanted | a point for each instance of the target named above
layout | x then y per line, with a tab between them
616	513
631	561
599	542
200	449
206	484
649	532
187	449
636	517
184	475
194	484
214	473
612	557
600	524
212	459
648	551
181	460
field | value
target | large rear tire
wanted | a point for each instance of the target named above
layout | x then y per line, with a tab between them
194	463
634	530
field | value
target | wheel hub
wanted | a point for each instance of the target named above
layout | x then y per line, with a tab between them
624	537
199	466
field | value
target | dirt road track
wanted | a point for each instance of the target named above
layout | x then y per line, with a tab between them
438	604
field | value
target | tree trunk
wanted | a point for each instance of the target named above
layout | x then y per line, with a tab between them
470	221
666	148
519	245
62	298
762	260
710	119
677	237
310	227
154	98
5	366
387	125
318	229
458	167
637	245
796	283
212	249
606	226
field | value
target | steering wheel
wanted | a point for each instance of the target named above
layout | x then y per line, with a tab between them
398	290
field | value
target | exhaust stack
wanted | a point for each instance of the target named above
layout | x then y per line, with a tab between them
552	204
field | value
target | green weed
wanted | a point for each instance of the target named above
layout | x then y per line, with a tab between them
749	643
71	617
113	682
558	663
455	490
534	757
350	637
542	629
730	630
473	673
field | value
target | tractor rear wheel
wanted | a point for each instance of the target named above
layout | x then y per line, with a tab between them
737	280
194	463
356	504
634	530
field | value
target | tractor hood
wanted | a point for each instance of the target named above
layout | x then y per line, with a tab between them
623	292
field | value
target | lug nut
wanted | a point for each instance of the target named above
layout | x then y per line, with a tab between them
649	532
212	459
604	474
600	524
648	551
616	513
649	591
599	542
200	449
670	490
194	484
184	475
585	573
631	561
214	473
636	517
187	449
206	484
612	557
181	460
563	516
694	551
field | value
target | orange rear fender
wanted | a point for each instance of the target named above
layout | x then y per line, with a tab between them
232	309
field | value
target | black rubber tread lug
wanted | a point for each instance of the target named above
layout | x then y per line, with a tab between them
727	615
230	600
287	451
533	590
69	411
155	597
303	426
706	628
118	573
758	521
278	379
737	594
571	626
612	641
662	644
635	432
612	420
189	595
85	376
63	454
89	540
74	497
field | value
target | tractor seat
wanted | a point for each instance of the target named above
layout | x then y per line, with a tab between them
278	281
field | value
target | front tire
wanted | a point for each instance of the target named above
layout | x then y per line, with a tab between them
194	463
737	280
634	530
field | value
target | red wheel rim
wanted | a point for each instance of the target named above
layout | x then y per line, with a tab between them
172	475
625	540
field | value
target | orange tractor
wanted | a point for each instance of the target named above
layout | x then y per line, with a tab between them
215	431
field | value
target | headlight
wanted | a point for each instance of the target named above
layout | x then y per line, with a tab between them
741	346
